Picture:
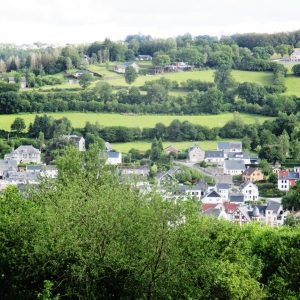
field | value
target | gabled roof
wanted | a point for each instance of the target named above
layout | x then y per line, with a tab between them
192	148
29	148
238	155
247	183
230	207
173	170
213	194
273	206
234	164
229	145
245	211
296	52
214	154
283	173
171	147
250	171
206	206
108	146
237	198
223	186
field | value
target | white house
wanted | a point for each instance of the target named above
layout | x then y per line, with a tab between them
25	154
144	57
234	167
223	189
295	56
230	147
113	158
122	68
214	157
212	197
250	191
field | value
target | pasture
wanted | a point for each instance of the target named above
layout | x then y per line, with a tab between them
143	145
79	119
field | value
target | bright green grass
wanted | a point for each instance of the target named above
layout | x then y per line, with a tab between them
261	78
143	146
292	83
79	119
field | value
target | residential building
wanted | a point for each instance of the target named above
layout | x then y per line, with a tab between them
195	191
239	156
229	209
113	158
7	165
171	149
214	157
122	68
287	179
168	177
250	191
237	198
108	146
212	197
273	211
234	167
244	214
196	154
252	174
224	189
79	141
295	56
11	80
138	171
24	154
23	82
230	147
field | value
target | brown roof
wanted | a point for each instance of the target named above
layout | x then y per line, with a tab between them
250	171
208	206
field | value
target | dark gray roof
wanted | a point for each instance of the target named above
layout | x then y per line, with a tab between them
293	175
213	194
255	212
214	154
235	164
192	148
8	165
234	145
274	206
237	197
238	155
296	52
113	154
223	145
34	168
223	186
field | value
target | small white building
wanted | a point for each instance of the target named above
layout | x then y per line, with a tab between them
196	154
224	189
239	156
212	197
79	141
250	191
113	158
214	157
295	56
234	167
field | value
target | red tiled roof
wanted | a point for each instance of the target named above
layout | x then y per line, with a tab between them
230	207
283	173
208	206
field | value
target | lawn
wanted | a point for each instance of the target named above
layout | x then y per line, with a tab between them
143	146
79	119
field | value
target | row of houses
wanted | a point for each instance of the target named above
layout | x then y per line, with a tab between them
271	214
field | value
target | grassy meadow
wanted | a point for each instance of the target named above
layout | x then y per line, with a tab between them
143	146
79	119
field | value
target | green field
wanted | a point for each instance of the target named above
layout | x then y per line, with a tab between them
79	119
143	146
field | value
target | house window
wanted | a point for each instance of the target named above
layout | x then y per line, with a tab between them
24	155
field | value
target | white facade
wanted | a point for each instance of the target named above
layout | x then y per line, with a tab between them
284	184
196	153
113	158
24	154
212	197
295	56
250	192
234	167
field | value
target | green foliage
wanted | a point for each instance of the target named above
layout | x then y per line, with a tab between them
296	69
18	125
85	80
130	75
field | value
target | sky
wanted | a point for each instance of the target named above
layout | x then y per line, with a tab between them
86	21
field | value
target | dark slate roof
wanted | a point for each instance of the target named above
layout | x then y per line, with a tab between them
274	206
234	164
293	175
192	148
113	154
223	186
223	145
213	194
234	145
214	154
34	168
240	155
238	197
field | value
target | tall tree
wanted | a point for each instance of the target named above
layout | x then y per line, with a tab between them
18	125
130	75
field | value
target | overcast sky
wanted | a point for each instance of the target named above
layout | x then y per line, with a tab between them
74	21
